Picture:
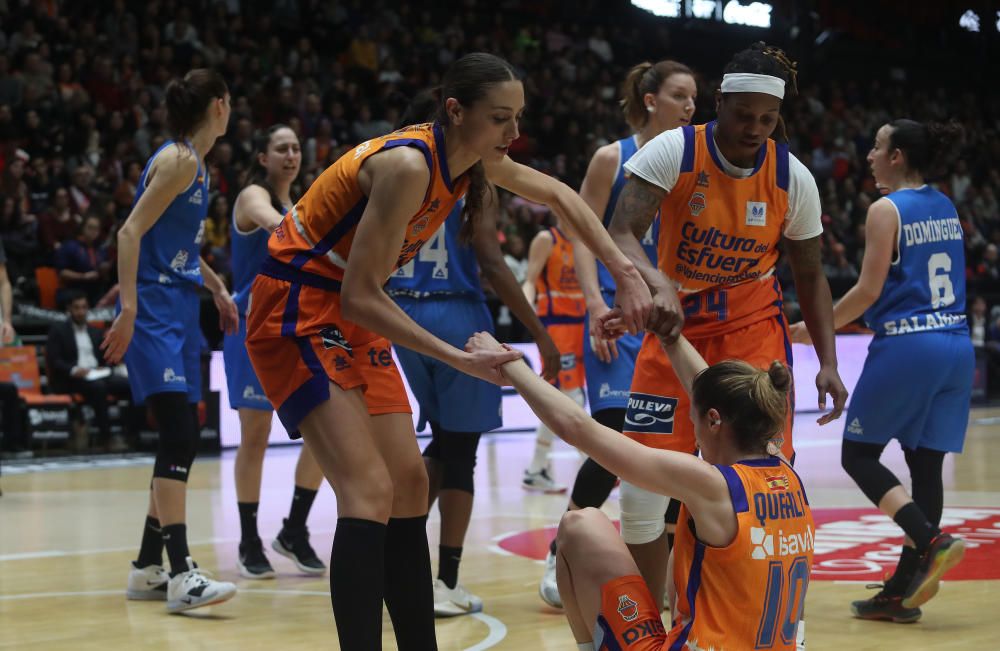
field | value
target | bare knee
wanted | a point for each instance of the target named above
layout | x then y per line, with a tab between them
410	483
574	525
366	494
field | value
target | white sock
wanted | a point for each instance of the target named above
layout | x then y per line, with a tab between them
543	445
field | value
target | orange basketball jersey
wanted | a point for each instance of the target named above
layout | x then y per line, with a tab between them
316	235
560	306
557	288
719	235
750	594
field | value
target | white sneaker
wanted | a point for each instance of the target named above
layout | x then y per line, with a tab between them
449	602
541	481
193	589
548	589
147	583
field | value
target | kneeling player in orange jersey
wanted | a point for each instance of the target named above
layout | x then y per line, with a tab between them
744	544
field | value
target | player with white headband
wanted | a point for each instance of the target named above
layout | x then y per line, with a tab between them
728	195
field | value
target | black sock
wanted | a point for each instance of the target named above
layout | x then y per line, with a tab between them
302	501
409	593
553	546
248	521
915	524
905	569
448	560
151	548
175	540
357	579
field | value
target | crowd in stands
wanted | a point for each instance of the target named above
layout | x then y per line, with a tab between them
81	110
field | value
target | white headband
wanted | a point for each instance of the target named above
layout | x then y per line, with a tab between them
748	82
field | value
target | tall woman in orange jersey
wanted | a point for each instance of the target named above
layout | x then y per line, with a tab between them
744	540
728	196
319	328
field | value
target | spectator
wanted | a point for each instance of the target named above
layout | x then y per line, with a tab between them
59	224
7	333
76	363
81	263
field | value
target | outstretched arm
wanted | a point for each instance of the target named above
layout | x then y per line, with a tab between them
494	267
633	295
399	179
693	481
817	312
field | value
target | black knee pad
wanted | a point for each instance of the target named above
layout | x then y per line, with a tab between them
458	458
179	434
861	461
673	510
613	418
593	484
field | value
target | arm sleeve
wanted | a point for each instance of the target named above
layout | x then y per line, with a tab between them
803	219
659	161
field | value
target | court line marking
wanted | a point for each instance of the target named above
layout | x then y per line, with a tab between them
496	629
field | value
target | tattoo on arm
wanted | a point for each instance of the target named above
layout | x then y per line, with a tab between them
636	207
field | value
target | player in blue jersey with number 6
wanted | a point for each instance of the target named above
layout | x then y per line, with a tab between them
441	291
917	381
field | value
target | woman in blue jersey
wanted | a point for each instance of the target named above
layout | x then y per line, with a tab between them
157	329
257	211
441	291
912	293
655	98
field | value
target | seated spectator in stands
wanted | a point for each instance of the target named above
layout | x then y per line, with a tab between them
979	323
839	267
77	365
58	224
81	263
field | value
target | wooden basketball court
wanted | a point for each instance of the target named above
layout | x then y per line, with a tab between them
67	536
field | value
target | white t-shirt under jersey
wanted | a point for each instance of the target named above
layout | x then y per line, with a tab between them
659	162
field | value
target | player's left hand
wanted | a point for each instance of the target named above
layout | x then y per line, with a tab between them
229	316
828	382
799	334
551	358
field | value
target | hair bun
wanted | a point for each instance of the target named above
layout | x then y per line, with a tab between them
780	376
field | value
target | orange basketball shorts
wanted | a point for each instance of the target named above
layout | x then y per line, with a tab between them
299	342
629	619
568	338
658	413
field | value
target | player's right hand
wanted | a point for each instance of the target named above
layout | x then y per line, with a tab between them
118	337
484	356
667	317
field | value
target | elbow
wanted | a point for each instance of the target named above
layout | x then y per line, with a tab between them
351	306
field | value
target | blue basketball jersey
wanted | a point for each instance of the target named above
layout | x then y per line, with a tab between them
626	149
169	251
248	251
443	267
925	288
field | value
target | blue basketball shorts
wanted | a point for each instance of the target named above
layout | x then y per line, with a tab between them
914	388
447	396
164	355
608	384
244	387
